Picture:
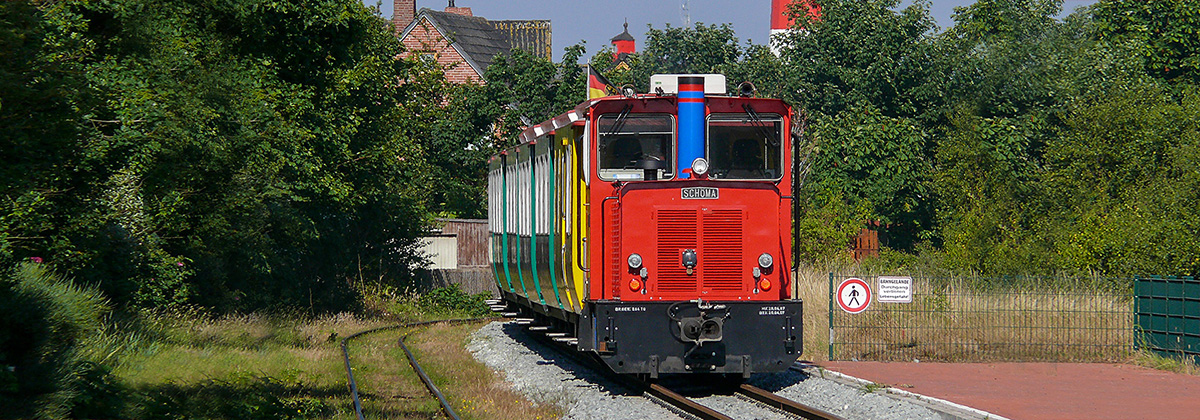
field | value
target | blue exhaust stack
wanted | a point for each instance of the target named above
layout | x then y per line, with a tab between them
691	123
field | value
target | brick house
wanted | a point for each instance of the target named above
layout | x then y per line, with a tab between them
465	44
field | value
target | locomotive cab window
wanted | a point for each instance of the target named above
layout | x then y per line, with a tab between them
632	145
745	146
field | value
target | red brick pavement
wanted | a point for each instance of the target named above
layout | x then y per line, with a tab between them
1033	391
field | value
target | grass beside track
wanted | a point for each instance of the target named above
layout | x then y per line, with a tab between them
262	367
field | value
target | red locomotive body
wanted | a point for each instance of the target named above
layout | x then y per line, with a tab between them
655	229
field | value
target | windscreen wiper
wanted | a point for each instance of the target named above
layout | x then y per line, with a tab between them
761	125
620	122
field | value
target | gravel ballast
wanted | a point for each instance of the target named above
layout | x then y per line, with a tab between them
547	377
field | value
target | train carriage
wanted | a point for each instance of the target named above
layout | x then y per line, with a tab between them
655	229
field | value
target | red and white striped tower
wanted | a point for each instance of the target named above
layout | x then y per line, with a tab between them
781	23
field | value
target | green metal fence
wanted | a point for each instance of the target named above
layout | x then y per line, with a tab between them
1168	315
979	319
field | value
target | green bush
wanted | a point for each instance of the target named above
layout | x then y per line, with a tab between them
453	299
45	320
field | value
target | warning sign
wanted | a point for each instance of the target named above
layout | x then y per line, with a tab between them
853	295
895	289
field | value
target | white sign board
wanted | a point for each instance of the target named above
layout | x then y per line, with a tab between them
895	289
853	295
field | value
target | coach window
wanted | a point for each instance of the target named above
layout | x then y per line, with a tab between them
628	144
745	146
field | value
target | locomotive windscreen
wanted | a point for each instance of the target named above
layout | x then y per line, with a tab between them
745	146
625	140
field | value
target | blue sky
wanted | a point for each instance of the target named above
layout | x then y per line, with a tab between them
598	21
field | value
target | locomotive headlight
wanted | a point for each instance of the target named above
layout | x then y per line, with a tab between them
635	261
699	166
765	260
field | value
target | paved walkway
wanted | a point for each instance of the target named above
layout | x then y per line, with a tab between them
1033	391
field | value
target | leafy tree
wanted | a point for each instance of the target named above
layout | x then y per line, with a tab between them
1011	57
243	154
874	162
1124	173
679	50
1166	33
991	201
533	89
38	91
859	53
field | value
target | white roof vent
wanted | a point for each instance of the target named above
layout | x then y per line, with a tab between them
714	84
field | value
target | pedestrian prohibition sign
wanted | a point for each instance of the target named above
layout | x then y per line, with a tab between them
853	295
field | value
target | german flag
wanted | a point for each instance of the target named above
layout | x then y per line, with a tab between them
598	86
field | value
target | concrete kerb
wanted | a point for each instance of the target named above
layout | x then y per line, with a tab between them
953	410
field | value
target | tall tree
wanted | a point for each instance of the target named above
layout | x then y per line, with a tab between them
859	53
240	153
1167	34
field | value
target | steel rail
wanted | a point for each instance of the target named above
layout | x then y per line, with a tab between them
686	404
412	360
775	401
433	389
680	404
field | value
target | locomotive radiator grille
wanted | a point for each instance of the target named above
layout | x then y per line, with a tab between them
717	237
676	232
614	246
722	252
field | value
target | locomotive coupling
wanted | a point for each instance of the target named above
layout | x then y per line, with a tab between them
707	326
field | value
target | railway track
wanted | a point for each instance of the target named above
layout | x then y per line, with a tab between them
659	393
663	394
749	393
433	389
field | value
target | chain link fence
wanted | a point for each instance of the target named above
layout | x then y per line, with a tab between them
981	319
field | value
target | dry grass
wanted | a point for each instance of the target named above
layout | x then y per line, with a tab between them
196	360
956	323
387	386
472	388
812	286
192	350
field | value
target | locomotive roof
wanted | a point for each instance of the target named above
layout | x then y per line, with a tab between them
580	112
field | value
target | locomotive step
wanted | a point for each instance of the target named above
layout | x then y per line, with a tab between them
556	334
569	340
494	302
539	328
523	321
510	314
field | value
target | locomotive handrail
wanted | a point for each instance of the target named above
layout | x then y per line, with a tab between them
603	203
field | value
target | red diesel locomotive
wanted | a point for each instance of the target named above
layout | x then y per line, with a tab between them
654	230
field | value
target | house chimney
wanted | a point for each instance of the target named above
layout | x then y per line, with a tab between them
403	13
464	11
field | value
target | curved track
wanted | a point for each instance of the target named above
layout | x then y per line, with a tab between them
433	390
